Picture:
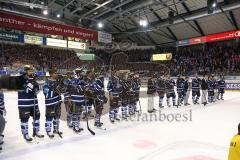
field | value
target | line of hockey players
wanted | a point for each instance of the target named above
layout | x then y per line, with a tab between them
79	90
212	90
124	88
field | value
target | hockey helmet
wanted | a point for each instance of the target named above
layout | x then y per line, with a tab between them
28	68
78	70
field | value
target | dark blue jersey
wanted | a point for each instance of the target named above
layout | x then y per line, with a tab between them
27	96
100	82
180	84
49	90
136	84
114	86
215	84
76	91
210	85
221	84
170	86
160	85
196	84
126	85
99	90
66	82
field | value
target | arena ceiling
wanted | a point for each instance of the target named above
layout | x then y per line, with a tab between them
121	17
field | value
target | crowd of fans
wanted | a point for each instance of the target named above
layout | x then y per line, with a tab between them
215	58
40	57
209	58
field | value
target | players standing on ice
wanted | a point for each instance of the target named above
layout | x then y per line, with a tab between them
2	115
67	99
77	101
99	99
196	83
28	104
187	89
87	82
161	89
180	90
210	89
170	83
114	87
204	87
216	88
136	84
222	85
131	95
151	90
53	104
125	94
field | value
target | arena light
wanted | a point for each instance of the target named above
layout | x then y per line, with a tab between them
214	5
143	23
211	5
45	12
100	25
58	15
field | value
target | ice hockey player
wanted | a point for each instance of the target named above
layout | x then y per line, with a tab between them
216	88
2	120
136	84
99	99
210	89
130	94
170	83
187	89
87	81
161	89
196	84
180	90
67	99
115	89
222	85
151	91
77	100
125	95
53	104
28	103
204	87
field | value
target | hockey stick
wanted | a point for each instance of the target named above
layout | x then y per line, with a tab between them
91	131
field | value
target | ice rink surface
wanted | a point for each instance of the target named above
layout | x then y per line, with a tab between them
206	137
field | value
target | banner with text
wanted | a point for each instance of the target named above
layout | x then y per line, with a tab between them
56	42
210	38
76	45
162	57
14	21
104	37
7	36
33	39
